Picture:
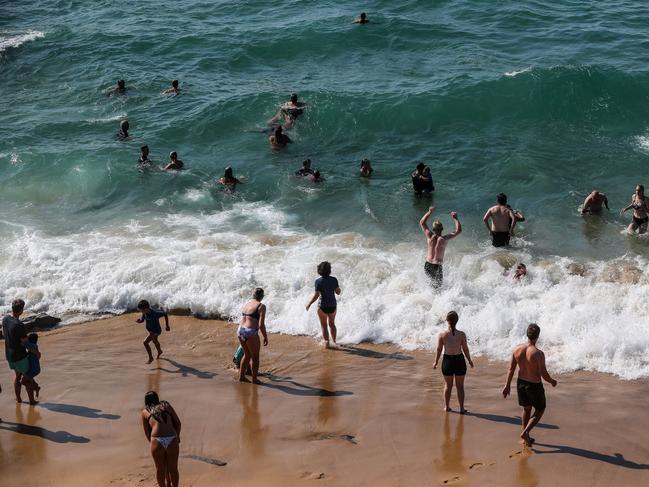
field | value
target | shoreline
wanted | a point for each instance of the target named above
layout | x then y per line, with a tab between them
365	415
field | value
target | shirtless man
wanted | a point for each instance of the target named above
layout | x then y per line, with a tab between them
123	130
174	90
289	112
437	246
503	221
119	89
279	139
593	203
174	164
531	363
361	19
144	160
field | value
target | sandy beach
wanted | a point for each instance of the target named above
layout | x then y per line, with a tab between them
363	415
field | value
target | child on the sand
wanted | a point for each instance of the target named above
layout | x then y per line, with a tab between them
34	358
152	318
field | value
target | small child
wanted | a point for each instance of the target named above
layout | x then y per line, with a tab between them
34	358
152	318
521	271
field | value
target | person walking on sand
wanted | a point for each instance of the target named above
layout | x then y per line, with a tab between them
15	336
503	221
152	319
253	320
162	430
640	205
453	342
326	288
593	203
437	246
531	363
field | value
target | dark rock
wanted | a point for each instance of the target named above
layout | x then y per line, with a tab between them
40	321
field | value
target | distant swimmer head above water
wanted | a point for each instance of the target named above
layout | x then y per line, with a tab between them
121	85
316	178
279	139
174	164
366	168
174	88
305	170
228	178
123	129
144	155
521	271
361	19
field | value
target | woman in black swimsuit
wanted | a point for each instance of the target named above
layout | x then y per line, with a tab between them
162	430
640	206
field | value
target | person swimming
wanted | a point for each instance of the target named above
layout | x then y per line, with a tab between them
640	206
118	89
305	170
427	185
174	90
593	203
228	180
289	112
521	271
279	139
144	160
123	130
417	184
316	177
174	164
366	168
361	19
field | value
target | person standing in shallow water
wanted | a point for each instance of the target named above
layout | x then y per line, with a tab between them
531	363
253	320
454	344
162	430
640	205
437	246
503	221
326	289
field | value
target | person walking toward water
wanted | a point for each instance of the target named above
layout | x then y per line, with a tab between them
326	288
454	344
640	206
531	363
253	320
15	336
162	430
437	246
593	203
503	221
152	319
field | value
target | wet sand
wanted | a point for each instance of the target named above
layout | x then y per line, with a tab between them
364	415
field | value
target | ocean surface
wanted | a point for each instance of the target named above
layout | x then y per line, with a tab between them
542	101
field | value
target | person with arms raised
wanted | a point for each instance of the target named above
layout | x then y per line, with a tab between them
437	246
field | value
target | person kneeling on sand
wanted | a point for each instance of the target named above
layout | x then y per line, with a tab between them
453	342
326	288
162	430
152	318
253	320
531	363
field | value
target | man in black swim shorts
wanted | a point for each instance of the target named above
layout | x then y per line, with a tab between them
531	362
503	221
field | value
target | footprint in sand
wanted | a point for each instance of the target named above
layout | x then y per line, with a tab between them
476	465
332	436
312	476
516	454
451	480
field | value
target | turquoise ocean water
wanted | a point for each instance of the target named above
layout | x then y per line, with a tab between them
543	102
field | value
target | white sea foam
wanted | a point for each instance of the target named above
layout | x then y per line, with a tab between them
112	118
593	315
516	73
13	41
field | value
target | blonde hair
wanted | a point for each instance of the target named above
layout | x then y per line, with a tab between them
437	226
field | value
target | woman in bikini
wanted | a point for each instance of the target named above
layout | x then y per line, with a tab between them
640	206
253	320
162	430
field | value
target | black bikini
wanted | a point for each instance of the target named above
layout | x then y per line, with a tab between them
254	315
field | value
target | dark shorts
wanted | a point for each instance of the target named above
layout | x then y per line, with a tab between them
453	365
500	239
434	273
641	221
328	309
531	394
21	366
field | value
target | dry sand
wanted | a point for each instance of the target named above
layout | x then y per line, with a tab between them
366	415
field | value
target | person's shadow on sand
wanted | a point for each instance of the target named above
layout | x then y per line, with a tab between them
186	370
615	459
299	389
509	420
73	409
55	436
365	352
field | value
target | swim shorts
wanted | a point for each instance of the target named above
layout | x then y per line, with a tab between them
21	366
434	273
453	365
500	239
531	394
640	221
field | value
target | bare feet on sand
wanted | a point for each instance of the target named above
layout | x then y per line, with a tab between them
243	379
37	390
33	403
159	353
448	409
463	411
527	439
257	381
150	360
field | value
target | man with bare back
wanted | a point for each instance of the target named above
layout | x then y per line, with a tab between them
437	246
503	221
531	363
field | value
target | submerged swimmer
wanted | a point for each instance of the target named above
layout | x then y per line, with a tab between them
118	89
174	164
279	139
640	205
593	203
315	177
123	130
144	160
437	246
366	168
305	170
361	19
503	221
289	112
174	90
228	180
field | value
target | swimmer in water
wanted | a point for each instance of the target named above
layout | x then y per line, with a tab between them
123	130
593	203
366	168
174	90
521	271
427	181
305	170
454	344
417	184
437	246
503	222
640	205
361	19
119	89
279	139
289	112
144	160
228	180
174	164
315	177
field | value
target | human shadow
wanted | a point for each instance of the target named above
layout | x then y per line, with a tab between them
510	420
615	459
186	370
73	409
55	436
299	389
365	352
